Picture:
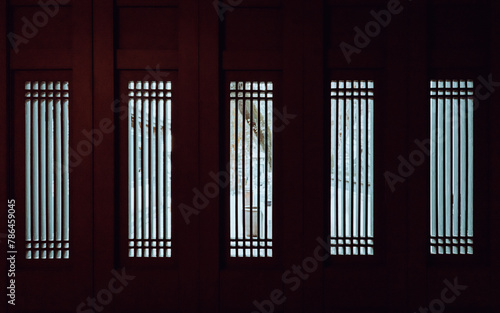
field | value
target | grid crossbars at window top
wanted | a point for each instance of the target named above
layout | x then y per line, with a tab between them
352	159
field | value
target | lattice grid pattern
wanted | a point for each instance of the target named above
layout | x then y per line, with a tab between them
451	146
251	148
149	168
47	169
351	189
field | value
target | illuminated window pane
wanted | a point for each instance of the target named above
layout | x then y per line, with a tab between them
451	214
47	169
149	169
351	189
251	168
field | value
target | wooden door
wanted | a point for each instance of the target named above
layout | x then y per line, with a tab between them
248	156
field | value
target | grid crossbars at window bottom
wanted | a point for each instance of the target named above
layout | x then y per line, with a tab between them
351	246
245	248
351	188
454	245
251	148
150	248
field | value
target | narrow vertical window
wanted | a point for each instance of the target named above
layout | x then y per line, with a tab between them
351	189
149	169
451	214
251	168
47	169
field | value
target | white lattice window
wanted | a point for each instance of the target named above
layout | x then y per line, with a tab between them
251	168
149	169
351	189
451	205
47	169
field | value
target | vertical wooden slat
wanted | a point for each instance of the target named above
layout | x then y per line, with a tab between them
418	127
390	221
356	180
168	166
341	158
36	183
43	170
267	169
433	177
348	169
470	170
132	187
161	204
455	165
371	181
153	174
28	129
65	158
50	168
364	160
447	169
260	208
145	171
138	170
334	179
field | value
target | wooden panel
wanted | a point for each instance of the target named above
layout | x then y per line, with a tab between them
462	29
254	3
354	288
354	37
148	28
39	30
248	285
37	2
104	170
147	3
418	192
251	60
253	29
316	152
186	158
289	153
461	58
81	203
42	59
210	159
143	59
